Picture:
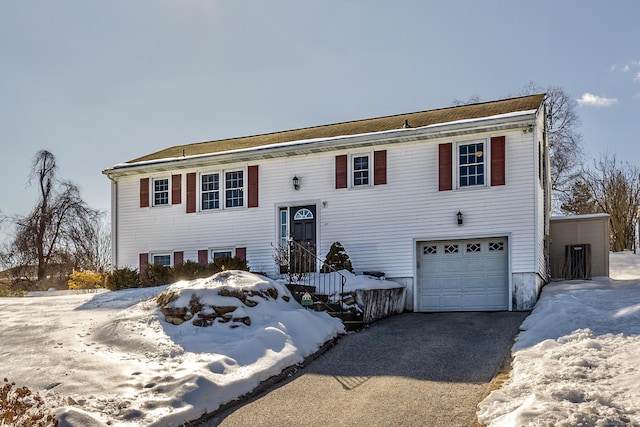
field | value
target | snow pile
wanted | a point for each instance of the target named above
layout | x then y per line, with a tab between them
354	282
576	359
112	359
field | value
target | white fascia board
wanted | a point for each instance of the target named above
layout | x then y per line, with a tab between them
315	145
579	217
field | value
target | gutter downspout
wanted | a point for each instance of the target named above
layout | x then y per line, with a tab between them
114	222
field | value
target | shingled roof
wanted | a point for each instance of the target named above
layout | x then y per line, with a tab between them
379	124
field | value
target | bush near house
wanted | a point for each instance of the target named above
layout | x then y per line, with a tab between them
123	278
158	275
337	259
86	280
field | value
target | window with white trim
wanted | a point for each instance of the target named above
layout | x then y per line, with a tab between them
361	170
160	188
222	190
234	189
209	191
471	165
161	259
222	253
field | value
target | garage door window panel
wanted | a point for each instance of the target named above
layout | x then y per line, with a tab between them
451	249
430	250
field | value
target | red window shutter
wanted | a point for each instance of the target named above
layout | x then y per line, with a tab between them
445	167
253	186
497	161
203	256
176	189
341	171
380	167
178	258
144	192
241	253
191	192
144	263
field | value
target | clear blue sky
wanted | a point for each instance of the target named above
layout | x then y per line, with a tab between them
101	82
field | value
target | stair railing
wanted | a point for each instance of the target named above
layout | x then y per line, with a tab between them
323	282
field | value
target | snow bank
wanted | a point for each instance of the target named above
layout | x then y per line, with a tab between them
576	359
112	359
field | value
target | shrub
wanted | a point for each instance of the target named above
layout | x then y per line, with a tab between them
156	275
337	259
228	263
190	270
11	293
123	278
21	408
86	280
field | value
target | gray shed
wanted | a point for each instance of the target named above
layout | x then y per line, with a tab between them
579	246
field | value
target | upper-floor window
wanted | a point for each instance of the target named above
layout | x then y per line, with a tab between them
221	190
234	189
210	191
160	191
361	170
471	165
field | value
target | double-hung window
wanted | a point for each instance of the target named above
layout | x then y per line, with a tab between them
361	170
210	191
160	191
234	189
222	190
471	165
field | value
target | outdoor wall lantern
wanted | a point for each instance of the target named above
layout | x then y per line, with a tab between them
460	218
296	183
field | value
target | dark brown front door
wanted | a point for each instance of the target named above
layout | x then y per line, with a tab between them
303	232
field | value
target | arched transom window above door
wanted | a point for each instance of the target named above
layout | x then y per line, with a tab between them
303	213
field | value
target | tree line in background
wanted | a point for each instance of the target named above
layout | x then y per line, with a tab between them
605	185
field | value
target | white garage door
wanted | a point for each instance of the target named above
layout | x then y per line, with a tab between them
463	275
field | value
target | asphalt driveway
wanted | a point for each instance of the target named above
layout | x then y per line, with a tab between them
412	369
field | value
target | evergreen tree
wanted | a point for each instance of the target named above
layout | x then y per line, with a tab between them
337	259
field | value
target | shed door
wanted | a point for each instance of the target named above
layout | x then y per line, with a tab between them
463	275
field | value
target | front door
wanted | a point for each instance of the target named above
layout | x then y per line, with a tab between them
303	233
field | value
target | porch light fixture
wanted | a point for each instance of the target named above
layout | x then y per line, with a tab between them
296	183
460	218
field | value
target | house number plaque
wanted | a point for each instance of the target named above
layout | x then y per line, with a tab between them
306	299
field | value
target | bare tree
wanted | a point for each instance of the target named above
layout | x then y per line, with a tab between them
565	142
473	99
58	228
614	188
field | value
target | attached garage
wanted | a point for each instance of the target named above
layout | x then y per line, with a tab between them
463	275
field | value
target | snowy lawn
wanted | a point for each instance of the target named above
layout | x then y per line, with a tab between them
111	358
577	359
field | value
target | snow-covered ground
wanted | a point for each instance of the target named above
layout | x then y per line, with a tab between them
110	358
577	359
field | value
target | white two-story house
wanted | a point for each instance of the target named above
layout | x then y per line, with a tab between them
454	203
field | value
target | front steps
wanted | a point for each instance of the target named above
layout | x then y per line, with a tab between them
351	316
